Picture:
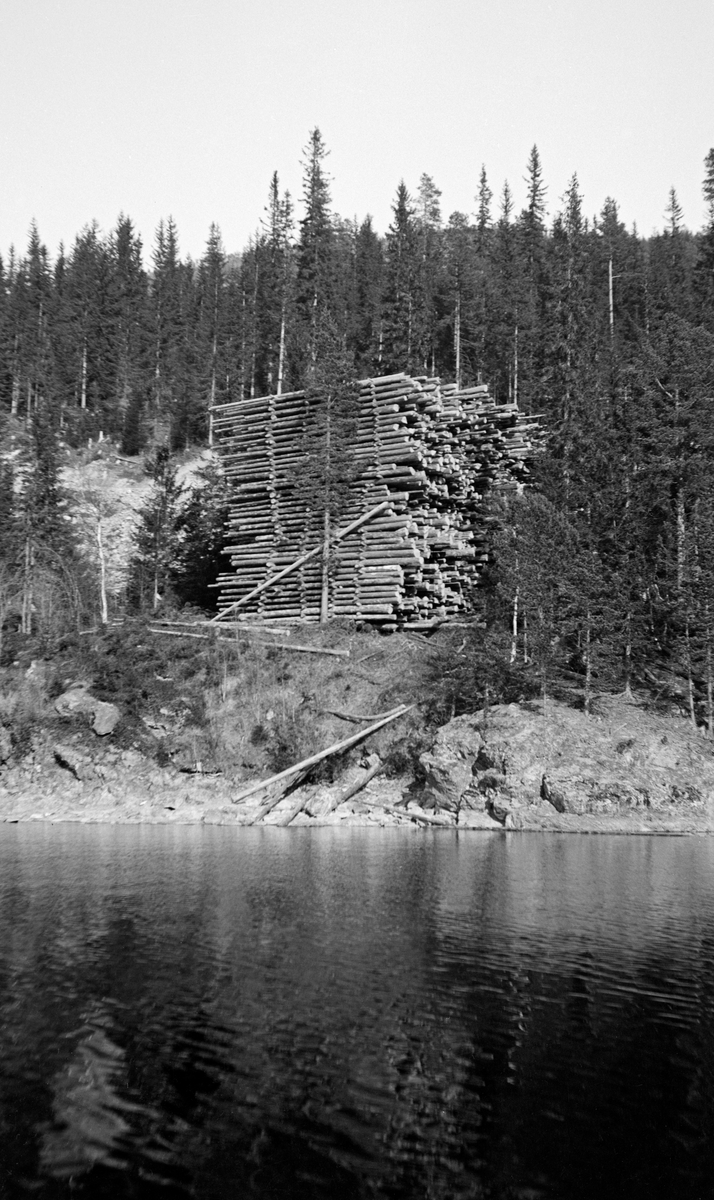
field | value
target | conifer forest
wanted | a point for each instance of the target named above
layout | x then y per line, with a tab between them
601	570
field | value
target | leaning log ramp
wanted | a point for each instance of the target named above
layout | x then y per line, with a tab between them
411	544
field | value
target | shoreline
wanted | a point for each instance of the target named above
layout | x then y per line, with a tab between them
160	798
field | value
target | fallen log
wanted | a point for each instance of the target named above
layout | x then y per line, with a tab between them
371	773
336	748
290	646
356	717
420	818
201	637
274	800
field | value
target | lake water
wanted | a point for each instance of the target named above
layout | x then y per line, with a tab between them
208	1012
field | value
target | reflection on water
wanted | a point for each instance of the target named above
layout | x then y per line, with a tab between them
354	1013
88	1122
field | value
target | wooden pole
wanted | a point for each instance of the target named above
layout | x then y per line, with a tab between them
342	533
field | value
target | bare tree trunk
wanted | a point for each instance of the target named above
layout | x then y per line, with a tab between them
102	574
213	391
514	629
690	680
588	663
515	367
628	654
710	681
26	618
281	353
681	539
83	391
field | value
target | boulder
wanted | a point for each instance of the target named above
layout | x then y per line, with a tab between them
5	745
448	766
105	718
78	701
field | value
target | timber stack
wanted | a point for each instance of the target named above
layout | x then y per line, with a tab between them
426	453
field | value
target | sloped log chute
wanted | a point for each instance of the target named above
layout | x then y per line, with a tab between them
412	543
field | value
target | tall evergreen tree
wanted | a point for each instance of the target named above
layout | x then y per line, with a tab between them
211	339
402	301
128	297
314	250
369	285
704	267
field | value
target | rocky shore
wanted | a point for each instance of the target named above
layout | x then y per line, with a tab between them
622	769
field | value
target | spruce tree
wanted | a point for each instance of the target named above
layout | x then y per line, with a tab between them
402	301
369	286
157	534
170	299
483	212
130	307
704	266
211	343
315	279
428	222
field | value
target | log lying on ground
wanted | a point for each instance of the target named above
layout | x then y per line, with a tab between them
371	773
208	637
356	718
336	748
279	793
293	646
420	818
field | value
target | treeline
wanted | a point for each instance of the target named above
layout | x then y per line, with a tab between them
607	335
539	311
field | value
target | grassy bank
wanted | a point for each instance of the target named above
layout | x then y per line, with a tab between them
242	705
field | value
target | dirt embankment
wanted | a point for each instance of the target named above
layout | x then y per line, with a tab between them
152	722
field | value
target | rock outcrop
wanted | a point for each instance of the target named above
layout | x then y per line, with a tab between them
519	764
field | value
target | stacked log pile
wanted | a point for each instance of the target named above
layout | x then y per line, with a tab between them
428	451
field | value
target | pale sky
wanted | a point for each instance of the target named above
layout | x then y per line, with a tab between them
186	107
